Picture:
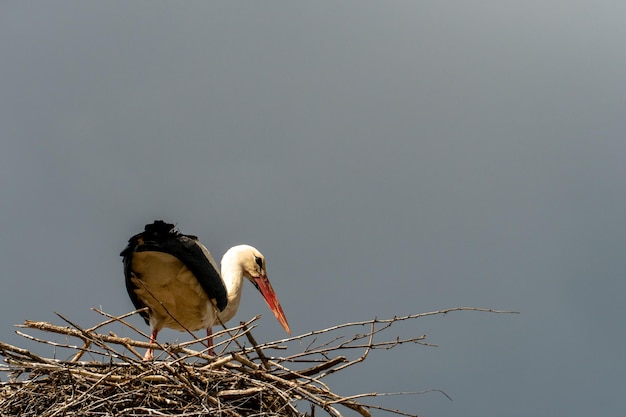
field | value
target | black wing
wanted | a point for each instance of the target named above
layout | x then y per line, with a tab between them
164	237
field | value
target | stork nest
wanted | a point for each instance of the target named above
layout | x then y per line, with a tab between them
244	378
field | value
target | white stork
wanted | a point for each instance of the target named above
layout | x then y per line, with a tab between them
175	276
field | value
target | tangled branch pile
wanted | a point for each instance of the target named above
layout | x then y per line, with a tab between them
244	378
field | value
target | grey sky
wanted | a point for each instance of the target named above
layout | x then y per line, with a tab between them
387	158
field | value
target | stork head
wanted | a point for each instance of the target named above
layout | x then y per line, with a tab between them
252	263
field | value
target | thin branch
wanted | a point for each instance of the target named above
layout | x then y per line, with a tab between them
245	381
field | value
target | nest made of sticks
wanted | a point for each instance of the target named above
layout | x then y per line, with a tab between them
245	378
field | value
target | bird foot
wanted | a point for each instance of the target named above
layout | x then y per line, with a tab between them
149	355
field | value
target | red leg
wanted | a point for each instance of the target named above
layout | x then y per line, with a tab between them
209	333
150	352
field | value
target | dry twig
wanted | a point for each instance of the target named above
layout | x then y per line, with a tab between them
247	381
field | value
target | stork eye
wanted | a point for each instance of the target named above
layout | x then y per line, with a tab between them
258	261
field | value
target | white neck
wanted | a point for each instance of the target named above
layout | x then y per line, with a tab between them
232	274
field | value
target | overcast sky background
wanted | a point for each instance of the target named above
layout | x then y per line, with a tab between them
387	158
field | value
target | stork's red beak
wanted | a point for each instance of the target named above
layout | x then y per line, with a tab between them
263	285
